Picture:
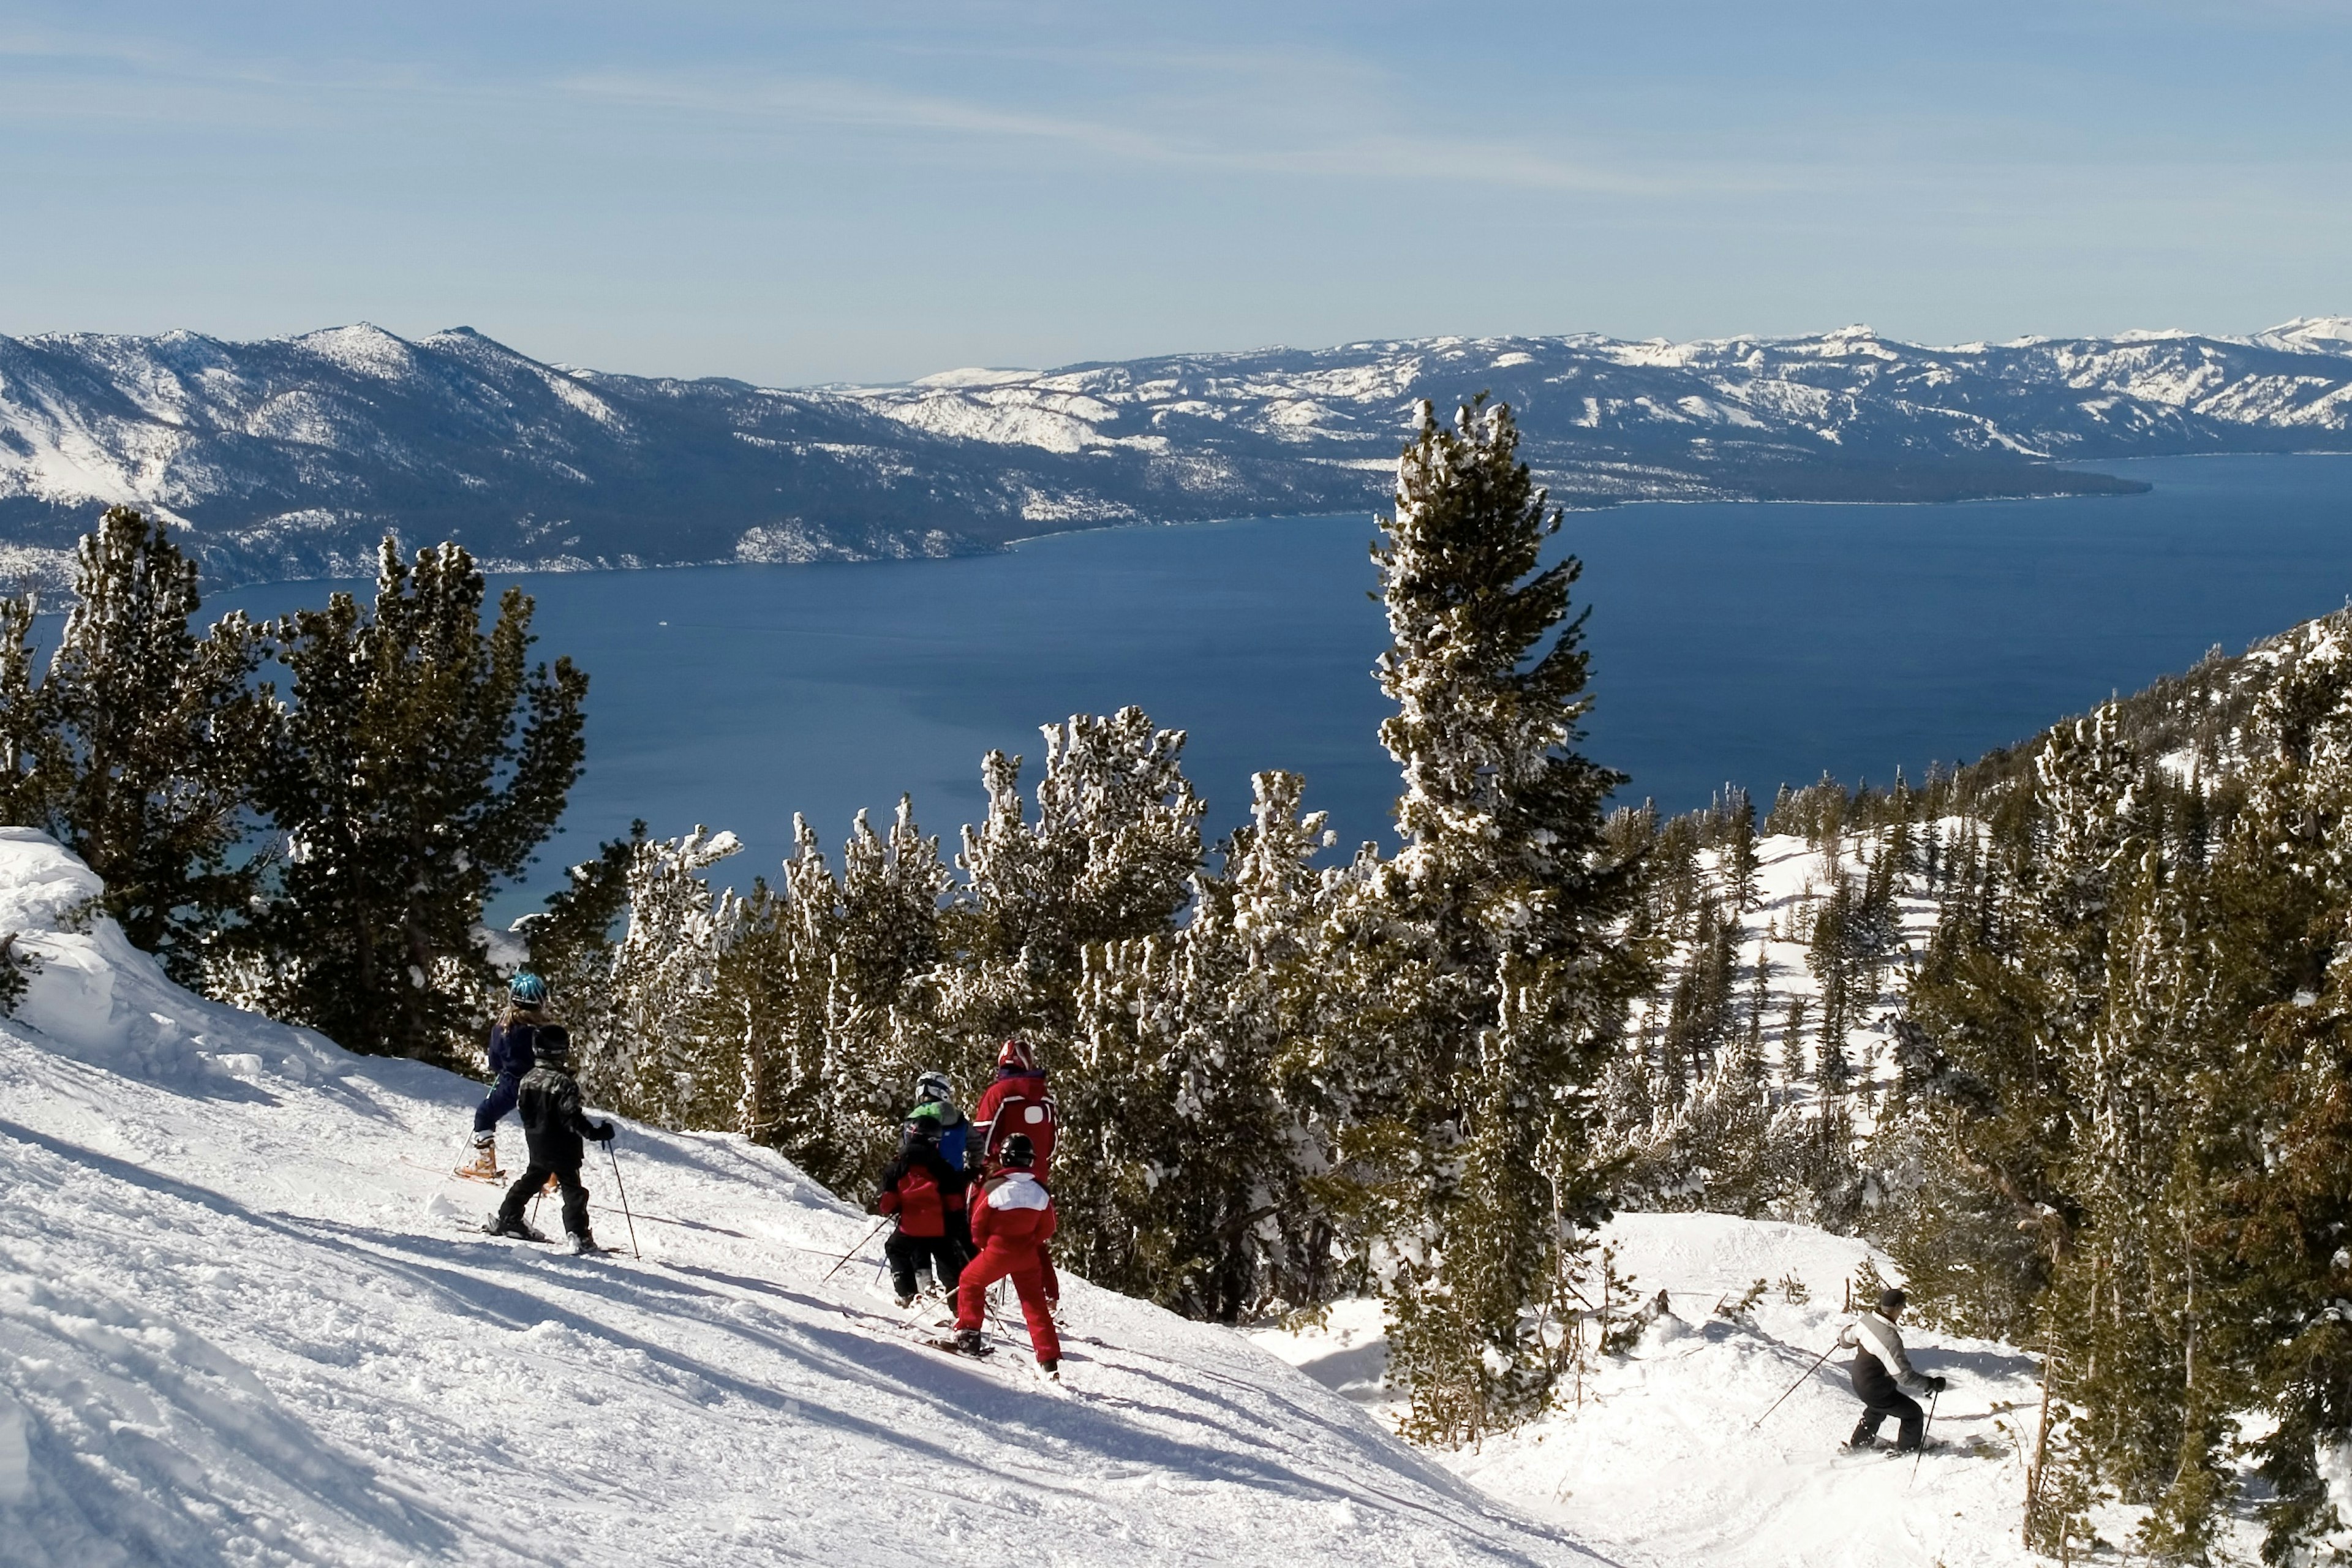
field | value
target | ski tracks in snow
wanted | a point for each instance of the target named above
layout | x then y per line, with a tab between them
240	1325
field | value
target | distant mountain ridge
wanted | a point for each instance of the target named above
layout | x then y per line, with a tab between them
289	457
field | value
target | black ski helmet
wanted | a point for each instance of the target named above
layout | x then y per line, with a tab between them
1018	1153
553	1044
1891	1301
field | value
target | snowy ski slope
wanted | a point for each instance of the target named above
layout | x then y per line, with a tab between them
242	1321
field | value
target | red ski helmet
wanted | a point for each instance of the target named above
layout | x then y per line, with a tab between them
1016	1054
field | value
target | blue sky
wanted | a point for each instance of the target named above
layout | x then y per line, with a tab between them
799	193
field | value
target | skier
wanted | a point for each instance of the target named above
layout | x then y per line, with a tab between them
511	1056
1018	1101
1881	1374
1018	1104
934	1096
553	1125
1012	1221
925	1190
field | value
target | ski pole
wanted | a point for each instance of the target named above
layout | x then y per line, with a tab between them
623	1194
858	1248
1794	1386
1924	1427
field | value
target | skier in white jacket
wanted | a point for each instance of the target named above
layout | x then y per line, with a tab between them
1882	1375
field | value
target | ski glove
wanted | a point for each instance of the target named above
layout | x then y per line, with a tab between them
601	1132
1938	1385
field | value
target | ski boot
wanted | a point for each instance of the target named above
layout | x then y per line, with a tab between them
1051	1367
585	1245
520	1230
484	1167
969	1342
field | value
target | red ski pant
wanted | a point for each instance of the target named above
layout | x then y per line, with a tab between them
1021	1266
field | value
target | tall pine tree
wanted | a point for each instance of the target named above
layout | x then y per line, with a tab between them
1522	983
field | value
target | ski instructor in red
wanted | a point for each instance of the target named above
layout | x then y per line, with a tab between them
1018	1102
1011	1220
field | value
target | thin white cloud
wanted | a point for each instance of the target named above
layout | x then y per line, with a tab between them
1360	154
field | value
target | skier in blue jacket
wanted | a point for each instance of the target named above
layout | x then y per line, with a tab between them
513	1052
935	1097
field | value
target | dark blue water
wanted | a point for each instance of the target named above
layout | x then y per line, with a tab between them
1730	642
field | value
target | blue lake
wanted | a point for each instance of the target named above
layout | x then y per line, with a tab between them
1752	643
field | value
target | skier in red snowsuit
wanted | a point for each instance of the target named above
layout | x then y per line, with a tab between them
1017	1103
1011	1219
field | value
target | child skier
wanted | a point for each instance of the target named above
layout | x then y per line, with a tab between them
934	1096
1881	1374
1019	1104
511	1056
926	1191
1012	1222
553	1125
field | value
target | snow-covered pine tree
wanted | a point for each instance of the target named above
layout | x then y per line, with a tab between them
1184	1171
144	741
1522	986
657	1064
1109	857
878	1029
423	760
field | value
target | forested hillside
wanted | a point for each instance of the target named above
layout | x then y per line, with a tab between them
2110	1116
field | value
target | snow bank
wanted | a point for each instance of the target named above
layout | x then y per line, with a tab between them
244	1318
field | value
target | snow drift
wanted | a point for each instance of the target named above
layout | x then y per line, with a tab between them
244	1318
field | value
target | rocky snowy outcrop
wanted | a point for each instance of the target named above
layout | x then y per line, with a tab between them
246	1317
291	457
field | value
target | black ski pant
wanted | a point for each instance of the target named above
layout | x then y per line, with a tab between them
942	1255
1880	1399
526	1186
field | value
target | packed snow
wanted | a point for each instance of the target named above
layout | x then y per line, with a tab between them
246	1317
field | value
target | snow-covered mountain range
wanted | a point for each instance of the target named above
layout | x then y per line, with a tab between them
289	457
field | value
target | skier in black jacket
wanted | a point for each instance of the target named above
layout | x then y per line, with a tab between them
553	1124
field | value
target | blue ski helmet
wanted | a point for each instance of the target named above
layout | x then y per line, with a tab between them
526	990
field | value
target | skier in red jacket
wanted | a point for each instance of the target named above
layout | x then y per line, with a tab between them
1011	1220
927	1195
1018	1104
